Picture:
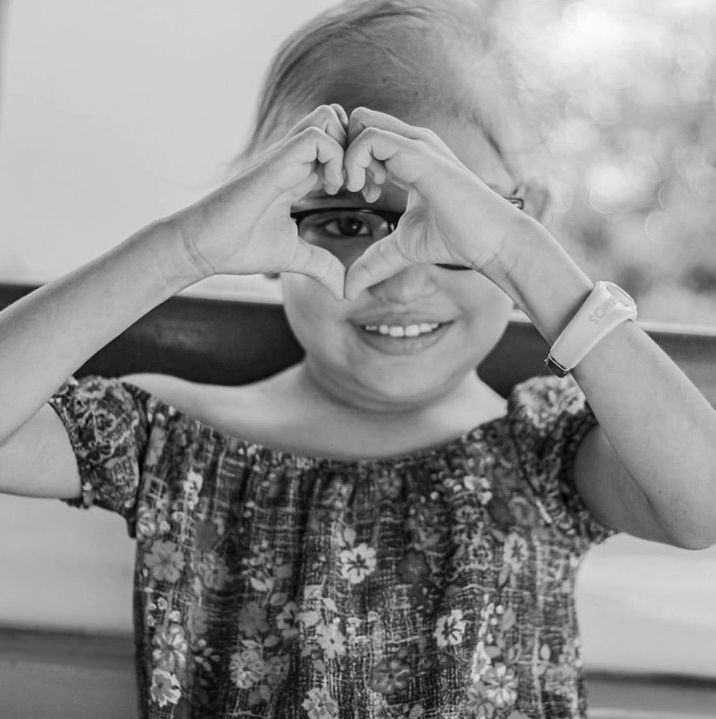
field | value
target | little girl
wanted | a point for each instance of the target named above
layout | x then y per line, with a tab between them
374	532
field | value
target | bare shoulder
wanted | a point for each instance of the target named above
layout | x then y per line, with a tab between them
180	393
225	407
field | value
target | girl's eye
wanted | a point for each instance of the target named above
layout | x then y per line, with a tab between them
344	226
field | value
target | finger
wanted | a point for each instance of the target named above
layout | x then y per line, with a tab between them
377	171
380	261
320	265
312	145
332	162
376	175
332	119
371	191
399	155
341	114
299	191
364	117
358	122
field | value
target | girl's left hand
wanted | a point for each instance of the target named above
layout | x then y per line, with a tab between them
451	217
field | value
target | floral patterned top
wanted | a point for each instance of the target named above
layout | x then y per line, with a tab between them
268	584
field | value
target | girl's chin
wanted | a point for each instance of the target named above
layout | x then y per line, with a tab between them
400	391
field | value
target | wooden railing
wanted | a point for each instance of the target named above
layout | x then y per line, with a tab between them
233	342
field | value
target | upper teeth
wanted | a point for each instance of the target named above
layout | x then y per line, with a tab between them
403	330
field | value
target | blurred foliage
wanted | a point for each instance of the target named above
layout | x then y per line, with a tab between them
626	93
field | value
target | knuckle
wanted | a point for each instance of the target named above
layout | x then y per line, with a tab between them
428	135
358	118
324	112
382	249
311	134
371	133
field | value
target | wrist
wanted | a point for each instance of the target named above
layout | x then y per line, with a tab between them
174	263
606	306
542	279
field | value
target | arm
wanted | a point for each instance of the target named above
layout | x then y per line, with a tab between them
649	468
47	335
241	228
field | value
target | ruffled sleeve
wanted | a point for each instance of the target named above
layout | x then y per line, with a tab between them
549	417
108	427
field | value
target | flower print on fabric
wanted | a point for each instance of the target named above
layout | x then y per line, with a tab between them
170	648
319	704
450	628
213	570
390	675
247	665
252	619
331	639
500	685
268	584
165	688
357	561
165	561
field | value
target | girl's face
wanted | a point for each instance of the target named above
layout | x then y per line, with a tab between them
452	318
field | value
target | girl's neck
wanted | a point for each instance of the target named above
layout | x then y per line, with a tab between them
311	384
292	412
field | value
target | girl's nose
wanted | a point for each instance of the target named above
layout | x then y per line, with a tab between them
412	283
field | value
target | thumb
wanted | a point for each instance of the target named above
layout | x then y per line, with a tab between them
380	261
320	265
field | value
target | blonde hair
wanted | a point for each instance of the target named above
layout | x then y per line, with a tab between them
480	85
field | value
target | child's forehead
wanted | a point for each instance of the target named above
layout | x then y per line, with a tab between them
405	75
430	84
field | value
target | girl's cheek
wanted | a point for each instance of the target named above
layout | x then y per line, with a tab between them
301	292
311	310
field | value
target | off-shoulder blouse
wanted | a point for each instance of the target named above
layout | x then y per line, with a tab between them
269	584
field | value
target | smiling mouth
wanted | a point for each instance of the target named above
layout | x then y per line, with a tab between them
404	331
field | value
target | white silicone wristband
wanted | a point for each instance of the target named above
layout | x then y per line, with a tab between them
606	307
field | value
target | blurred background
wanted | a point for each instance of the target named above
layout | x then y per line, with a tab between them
116	113
626	93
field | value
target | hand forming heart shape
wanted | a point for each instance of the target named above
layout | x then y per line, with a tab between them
245	226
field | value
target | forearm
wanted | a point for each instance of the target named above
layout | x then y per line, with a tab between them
46	335
659	424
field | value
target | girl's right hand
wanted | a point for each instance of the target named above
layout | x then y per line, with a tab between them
245	226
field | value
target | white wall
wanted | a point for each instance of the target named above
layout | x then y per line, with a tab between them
117	113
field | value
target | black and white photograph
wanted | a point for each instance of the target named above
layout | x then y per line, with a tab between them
358	359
